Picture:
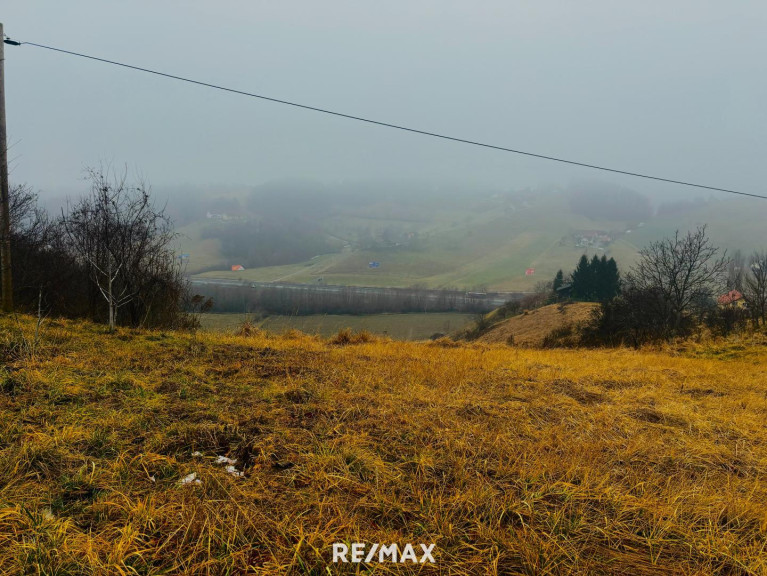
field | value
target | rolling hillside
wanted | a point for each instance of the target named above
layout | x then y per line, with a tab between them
491	248
488	241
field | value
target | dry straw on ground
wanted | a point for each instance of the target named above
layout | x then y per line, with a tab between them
513	461
532	327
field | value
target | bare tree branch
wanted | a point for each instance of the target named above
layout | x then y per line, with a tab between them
684	270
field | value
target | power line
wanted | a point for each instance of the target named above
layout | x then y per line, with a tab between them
389	125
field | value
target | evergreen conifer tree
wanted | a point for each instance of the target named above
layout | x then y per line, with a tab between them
595	274
612	279
559	280
595	280
582	279
601	288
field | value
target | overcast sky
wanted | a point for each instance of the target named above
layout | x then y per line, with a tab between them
677	89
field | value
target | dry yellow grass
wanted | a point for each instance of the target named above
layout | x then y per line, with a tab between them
531	327
513	461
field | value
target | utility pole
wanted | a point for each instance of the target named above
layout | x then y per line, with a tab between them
6	282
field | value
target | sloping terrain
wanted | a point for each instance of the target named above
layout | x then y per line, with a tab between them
532	327
489	241
509	460
470	241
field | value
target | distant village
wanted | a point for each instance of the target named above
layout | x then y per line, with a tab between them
595	239
592	238
222	216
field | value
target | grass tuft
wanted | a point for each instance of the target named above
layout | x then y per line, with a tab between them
347	336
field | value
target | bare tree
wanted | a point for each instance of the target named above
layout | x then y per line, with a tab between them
23	206
755	287
42	262
736	269
123	241
684	271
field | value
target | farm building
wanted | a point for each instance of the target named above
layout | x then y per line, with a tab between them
732	298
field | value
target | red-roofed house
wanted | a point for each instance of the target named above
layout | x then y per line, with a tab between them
732	298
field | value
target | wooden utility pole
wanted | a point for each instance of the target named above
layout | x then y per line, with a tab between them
6	283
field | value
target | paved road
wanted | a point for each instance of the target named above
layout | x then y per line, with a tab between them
494	299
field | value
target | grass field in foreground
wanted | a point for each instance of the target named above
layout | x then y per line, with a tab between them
512	461
397	326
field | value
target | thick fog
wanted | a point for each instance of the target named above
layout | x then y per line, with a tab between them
674	89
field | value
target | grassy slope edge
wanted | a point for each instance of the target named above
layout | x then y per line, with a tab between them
510	460
531	327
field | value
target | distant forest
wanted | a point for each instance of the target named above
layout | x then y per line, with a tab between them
270	242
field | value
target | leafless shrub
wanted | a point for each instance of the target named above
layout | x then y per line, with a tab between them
754	287
123	241
684	272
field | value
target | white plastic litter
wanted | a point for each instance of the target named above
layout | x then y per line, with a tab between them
225	460
234	472
196	454
190	479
